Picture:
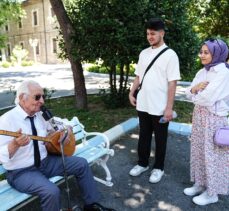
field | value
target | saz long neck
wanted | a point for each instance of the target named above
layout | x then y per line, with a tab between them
15	134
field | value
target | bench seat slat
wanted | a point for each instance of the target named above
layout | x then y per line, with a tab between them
14	197
79	136
95	141
4	186
2	170
93	154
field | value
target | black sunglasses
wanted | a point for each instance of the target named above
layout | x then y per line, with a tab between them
38	97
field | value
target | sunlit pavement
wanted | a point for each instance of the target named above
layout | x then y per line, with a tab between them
136	193
55	77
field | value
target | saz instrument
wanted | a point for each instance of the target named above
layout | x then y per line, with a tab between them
53	145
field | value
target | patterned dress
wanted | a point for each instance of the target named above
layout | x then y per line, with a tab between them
209	162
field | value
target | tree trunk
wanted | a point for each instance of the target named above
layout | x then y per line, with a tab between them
77	70
121	78
79	85
127	75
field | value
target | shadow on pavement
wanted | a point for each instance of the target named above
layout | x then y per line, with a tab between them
136	193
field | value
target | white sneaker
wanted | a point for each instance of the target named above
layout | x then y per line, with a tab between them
137	170
156	175
194	190
204	199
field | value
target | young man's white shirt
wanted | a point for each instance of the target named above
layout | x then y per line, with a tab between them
153	95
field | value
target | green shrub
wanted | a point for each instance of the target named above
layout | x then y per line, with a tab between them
102	69
114	100
6	64
27	63
19	54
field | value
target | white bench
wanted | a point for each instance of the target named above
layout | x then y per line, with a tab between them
95	148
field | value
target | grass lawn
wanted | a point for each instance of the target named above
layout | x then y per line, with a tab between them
98	118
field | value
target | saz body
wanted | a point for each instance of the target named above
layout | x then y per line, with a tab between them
53	145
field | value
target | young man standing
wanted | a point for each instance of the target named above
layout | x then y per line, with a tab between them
155	98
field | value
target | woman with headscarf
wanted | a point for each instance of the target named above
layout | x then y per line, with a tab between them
209	91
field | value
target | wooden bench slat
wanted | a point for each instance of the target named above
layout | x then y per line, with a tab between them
2	170
12	197
93	154
4	186
79	136
55	179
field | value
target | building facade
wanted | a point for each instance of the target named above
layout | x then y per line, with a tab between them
37	32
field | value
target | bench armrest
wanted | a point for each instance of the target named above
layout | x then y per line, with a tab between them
105	138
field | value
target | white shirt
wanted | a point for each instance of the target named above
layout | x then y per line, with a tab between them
13	120
152	98
216	95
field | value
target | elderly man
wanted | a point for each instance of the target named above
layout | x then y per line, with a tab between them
27	162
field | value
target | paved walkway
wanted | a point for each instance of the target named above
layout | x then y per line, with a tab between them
136	193
56	77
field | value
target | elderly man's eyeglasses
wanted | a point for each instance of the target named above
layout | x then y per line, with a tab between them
38	97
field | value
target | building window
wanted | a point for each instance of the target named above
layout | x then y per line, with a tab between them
38	49
54	45
8	49
22	45
6	27
35	18
20	23
52	12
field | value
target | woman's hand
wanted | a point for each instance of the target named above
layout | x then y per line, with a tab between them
199	87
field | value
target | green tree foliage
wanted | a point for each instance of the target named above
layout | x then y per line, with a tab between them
68	33
179	33
19	54
9	10
113	30
210	18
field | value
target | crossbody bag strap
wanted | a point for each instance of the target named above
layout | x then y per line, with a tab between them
151	63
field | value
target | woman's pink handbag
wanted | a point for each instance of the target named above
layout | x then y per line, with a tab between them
221	137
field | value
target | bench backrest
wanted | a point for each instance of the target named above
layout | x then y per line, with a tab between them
2	170
77	127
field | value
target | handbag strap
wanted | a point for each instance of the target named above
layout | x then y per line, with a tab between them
151	63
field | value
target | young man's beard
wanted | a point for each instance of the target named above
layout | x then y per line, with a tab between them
157	43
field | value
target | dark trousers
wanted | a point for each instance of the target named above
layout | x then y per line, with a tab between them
35	181
149	124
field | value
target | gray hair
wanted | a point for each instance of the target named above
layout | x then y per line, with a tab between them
24	89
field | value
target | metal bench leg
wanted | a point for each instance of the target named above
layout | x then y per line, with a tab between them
103	162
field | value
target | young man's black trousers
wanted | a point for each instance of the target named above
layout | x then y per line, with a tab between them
149	124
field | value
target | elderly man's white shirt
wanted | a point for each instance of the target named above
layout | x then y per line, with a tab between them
13	120
216	95
153	95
